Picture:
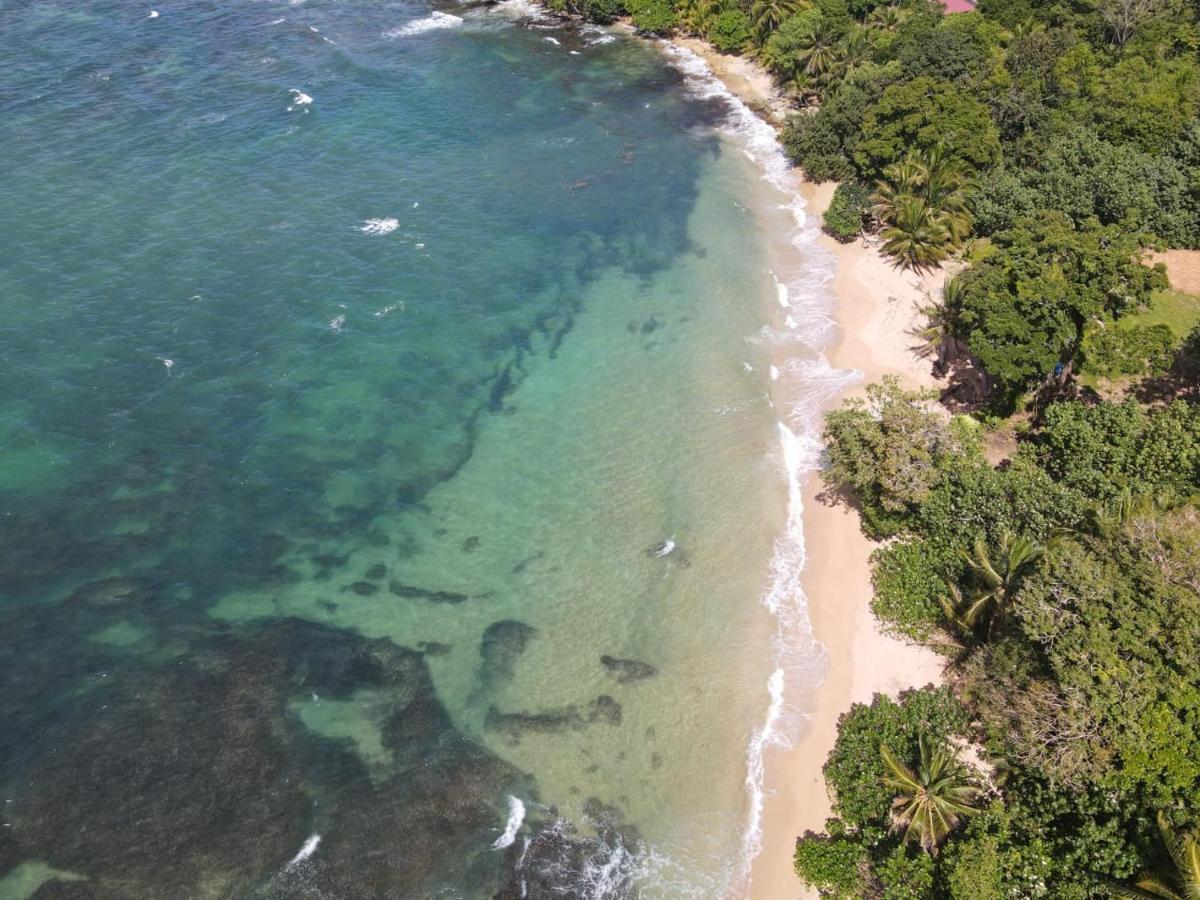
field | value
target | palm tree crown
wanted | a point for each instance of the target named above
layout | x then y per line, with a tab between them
932	801
1182	880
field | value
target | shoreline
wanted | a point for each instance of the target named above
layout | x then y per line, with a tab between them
874	308
875	305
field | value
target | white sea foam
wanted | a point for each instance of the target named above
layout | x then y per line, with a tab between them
555	41
516	817
337	323
808	382
153	14
309	848
377	227
299	100
433	22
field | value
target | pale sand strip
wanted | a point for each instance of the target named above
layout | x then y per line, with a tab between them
876	305
876	308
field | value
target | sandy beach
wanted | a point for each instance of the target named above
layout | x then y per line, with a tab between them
877	308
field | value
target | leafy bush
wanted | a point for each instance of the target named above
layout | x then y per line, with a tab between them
1133	350
907	577
832	865
810	141
654	16
854	770
905	874
847	211
729	30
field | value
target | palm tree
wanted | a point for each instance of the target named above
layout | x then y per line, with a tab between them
999	578
767	15
905	178
933	800
916	238
939	334
885	18
947	188
853	52
818	51
1182	880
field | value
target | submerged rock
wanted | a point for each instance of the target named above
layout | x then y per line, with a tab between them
108	593
627	670
202	763
551	721
503	643
416	593
363	588
377	572
604	709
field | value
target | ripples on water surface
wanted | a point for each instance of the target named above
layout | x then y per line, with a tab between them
355	362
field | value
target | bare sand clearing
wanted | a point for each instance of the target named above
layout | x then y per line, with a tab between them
877	305
1183	268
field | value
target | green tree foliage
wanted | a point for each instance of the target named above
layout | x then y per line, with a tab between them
654	16
1147	103
932	798
921	114
905	875
1024	308
855	770
1101	451
847	211
888	451
729	30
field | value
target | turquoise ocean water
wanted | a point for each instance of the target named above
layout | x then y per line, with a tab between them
389	474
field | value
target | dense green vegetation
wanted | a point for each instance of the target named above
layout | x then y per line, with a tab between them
1064	588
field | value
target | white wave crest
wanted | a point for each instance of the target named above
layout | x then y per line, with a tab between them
807	382
299	100
309	848
433	22
378	227
516	817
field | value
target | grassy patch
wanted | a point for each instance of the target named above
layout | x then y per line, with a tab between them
1178	311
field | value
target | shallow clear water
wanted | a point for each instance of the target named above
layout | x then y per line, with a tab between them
357	374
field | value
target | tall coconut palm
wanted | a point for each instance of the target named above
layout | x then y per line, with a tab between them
915	237
818	52
905	178
931	801
767	15
947	188
1179	882
853	52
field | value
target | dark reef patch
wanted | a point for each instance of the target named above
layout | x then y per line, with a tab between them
627	670
503	643
416	593
200	763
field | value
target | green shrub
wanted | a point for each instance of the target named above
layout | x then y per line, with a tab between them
854	770
729	31
907	577
602	11
654	16
1132	350
847	210
906	874
832	865
810	140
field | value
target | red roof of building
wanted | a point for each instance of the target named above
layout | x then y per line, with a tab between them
957	6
